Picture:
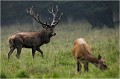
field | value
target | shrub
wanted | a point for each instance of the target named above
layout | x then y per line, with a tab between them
2	75
22	74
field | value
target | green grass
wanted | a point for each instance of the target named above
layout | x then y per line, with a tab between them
58	61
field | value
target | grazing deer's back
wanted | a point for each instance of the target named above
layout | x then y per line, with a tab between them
81	48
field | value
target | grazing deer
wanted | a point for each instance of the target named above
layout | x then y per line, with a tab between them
82	53
34	40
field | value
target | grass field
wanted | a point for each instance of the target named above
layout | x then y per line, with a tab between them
58	61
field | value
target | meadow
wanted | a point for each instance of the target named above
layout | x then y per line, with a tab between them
58	61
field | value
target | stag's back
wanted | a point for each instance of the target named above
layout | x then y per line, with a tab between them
81	48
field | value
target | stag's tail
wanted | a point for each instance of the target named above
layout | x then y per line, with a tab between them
11	41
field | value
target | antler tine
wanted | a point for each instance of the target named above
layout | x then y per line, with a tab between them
35	16
28	11
56	9
49	21
31	11
59	19
60	16
50	10
54	13
54	23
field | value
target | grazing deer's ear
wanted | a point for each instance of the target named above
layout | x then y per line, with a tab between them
99	57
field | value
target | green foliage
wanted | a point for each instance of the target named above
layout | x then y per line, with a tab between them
2	75
22	74
58	61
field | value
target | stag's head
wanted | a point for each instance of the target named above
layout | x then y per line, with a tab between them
48	26
101	64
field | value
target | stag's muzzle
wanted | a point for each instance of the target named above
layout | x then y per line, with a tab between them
53	34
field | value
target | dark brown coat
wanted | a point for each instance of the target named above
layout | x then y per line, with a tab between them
34	40
30	40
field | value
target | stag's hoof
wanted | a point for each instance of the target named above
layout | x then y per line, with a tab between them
18	56
42	56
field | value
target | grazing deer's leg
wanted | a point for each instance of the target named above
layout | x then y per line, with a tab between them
18	51
11	51
39	50
86	66
33	51
79	66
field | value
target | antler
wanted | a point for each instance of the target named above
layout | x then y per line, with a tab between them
35	16
50	10
54	13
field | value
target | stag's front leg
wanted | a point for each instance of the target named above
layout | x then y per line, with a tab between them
39	50
33	51
19	48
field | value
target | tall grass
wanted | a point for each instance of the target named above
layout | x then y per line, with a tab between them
58	61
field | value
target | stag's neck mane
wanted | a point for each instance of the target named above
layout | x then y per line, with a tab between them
44	36
43	31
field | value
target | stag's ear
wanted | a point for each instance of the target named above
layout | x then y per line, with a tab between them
44	26
99	57
53	26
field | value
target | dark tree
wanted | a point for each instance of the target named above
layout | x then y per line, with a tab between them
97	13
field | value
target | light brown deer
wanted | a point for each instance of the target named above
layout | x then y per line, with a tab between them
34	40
82	54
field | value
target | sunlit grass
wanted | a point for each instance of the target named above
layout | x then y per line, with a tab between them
58	61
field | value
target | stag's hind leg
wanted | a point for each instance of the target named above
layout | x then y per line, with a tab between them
19	48
39	50
11	51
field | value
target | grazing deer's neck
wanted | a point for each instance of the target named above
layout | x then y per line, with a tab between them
92	59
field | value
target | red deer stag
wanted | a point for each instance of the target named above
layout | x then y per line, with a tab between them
34	40
82	54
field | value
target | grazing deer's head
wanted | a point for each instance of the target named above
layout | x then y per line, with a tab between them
101	63
49	27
